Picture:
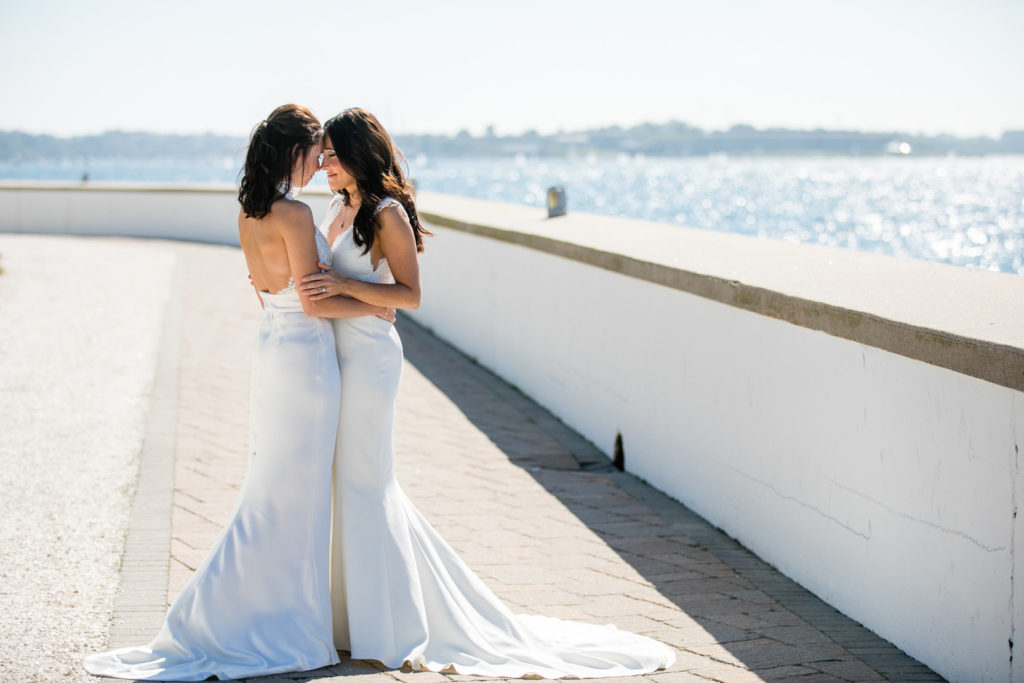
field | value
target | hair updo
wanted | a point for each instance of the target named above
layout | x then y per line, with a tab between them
275	145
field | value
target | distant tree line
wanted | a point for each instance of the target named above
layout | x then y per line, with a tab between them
679	139
666	139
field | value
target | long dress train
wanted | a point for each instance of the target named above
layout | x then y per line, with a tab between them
399	592
260	602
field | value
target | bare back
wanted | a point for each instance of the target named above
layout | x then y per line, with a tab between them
264	243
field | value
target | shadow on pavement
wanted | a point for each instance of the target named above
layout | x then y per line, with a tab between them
762	619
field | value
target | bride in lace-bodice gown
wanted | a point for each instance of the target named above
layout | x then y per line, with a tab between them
259	603
399	593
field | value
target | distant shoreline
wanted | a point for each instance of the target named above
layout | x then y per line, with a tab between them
673	139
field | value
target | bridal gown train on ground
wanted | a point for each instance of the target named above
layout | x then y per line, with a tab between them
399	592
260	603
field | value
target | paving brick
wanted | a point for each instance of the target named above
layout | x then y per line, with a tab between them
785	673
676	677
742	620
687	661
726	673
637	624
830	650
850	670
608	605
795	635
765	653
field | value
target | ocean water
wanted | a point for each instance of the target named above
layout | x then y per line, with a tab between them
966	211
963	211
218	170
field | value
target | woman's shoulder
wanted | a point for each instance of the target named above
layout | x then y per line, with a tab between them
286	207
287	213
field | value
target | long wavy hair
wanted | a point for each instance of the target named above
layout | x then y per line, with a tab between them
366	151
275	145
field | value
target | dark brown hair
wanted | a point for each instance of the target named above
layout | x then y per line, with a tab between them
365	149
275	145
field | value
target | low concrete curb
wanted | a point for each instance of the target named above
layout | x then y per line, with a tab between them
142	597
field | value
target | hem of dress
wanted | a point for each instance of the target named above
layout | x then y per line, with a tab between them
420	663
161	675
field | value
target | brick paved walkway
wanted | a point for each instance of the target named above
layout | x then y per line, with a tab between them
502	481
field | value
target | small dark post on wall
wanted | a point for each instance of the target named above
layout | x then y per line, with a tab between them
556	201
618	454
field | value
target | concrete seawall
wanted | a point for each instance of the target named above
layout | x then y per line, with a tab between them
853	419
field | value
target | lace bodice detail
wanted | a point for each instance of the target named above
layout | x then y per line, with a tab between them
349	259
323	249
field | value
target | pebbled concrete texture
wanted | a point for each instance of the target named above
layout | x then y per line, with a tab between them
531	506
80	323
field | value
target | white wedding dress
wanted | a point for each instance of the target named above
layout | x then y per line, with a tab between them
259	603
399	592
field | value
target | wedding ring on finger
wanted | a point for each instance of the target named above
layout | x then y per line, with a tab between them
323	290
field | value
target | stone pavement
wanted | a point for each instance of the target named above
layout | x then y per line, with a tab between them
533	508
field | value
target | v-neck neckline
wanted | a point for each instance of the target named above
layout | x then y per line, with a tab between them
340	235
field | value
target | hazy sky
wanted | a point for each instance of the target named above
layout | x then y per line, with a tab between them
924	66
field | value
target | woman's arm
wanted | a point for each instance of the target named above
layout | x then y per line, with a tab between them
296	228
347	307
398	246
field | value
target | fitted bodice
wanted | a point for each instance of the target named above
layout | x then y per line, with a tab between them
349	259
323	249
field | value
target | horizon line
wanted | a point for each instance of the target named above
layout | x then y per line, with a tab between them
560	131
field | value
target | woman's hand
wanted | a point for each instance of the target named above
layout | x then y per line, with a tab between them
387	314
324	285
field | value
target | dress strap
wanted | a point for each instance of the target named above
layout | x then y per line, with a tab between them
386	202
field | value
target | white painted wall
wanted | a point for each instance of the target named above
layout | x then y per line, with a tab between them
885	485
187	213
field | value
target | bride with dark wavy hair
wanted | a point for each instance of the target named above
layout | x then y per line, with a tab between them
259	603
399	593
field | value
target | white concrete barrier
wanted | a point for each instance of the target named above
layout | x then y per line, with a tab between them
882	480
195	213
854	419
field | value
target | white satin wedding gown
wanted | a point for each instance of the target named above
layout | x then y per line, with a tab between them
399	592
259	603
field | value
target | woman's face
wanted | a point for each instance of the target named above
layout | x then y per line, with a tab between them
306	166
338	177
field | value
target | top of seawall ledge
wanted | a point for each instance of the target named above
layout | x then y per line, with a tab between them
118	186
966	320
